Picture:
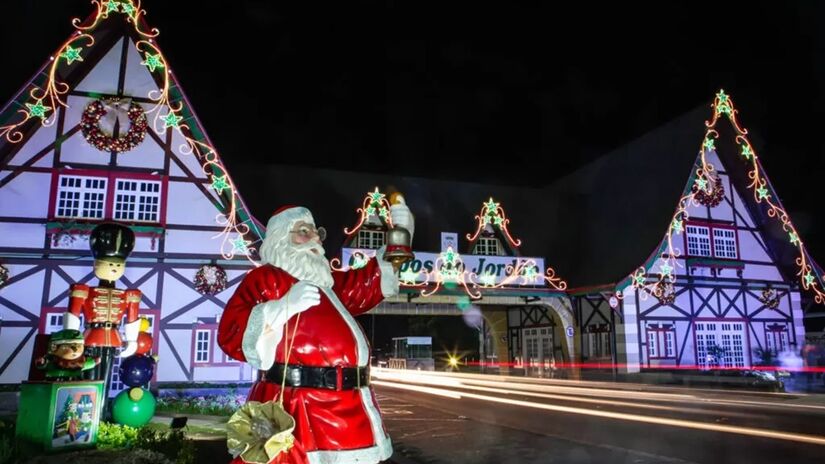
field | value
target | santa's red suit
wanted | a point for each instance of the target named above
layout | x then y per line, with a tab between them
335	424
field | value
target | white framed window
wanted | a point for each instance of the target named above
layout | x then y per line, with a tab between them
486	246
597	344
698	240
54	323
137	200
202	346
661	343
705	340
729	336
370	239
81	197
538	346
670	343
652	345
776	338
724	243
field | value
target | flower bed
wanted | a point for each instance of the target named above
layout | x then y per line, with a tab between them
209	405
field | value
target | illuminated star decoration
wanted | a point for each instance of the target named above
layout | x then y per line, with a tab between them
172	120
677	226
376	196
701	183
450	267
724	106
488	279
762	192
152	62
449	255
219	184
809	278
128	8
747	152
239	245
492	213
38	110
408	276
112	6
71	54
794	238
709	144
639	279
530	273
666	268
377	205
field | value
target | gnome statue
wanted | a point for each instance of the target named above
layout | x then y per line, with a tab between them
65	360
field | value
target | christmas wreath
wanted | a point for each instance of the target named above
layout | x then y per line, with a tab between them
4	275
665	292
714	198
769	298
210	279
98	124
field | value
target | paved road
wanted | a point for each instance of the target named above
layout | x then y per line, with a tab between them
448	418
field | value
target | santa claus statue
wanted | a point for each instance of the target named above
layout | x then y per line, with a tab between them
294	320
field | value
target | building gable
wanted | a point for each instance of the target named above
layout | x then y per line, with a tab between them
113	60
729	190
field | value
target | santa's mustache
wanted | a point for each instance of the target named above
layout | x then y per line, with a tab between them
309	247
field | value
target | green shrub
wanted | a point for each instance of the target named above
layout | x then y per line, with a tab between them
8	445
116	436
171	443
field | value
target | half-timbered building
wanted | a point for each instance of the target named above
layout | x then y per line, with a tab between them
725	281
104	132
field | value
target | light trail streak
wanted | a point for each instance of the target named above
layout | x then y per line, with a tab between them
738	430
533	393
521	385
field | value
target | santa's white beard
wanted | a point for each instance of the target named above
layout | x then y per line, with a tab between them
299	260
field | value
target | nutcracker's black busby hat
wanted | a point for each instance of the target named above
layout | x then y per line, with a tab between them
111	242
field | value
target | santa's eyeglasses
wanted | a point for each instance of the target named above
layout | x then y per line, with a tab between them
308	231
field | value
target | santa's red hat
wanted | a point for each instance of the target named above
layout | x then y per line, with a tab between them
285	217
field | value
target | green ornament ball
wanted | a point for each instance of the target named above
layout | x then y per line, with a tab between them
133	407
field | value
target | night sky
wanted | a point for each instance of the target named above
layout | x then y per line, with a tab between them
471	90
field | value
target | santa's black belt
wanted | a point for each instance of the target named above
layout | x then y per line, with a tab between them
331	378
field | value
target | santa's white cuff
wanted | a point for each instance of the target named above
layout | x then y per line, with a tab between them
389	280
71	322
131	330
264	330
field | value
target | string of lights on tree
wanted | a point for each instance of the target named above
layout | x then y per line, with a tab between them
449	270
704	180
44	99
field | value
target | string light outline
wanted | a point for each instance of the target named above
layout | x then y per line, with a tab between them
449	269
492	212
53	91
762	192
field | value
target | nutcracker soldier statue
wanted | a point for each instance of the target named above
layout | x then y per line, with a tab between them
103	307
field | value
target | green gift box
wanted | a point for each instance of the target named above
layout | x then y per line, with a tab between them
56	416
